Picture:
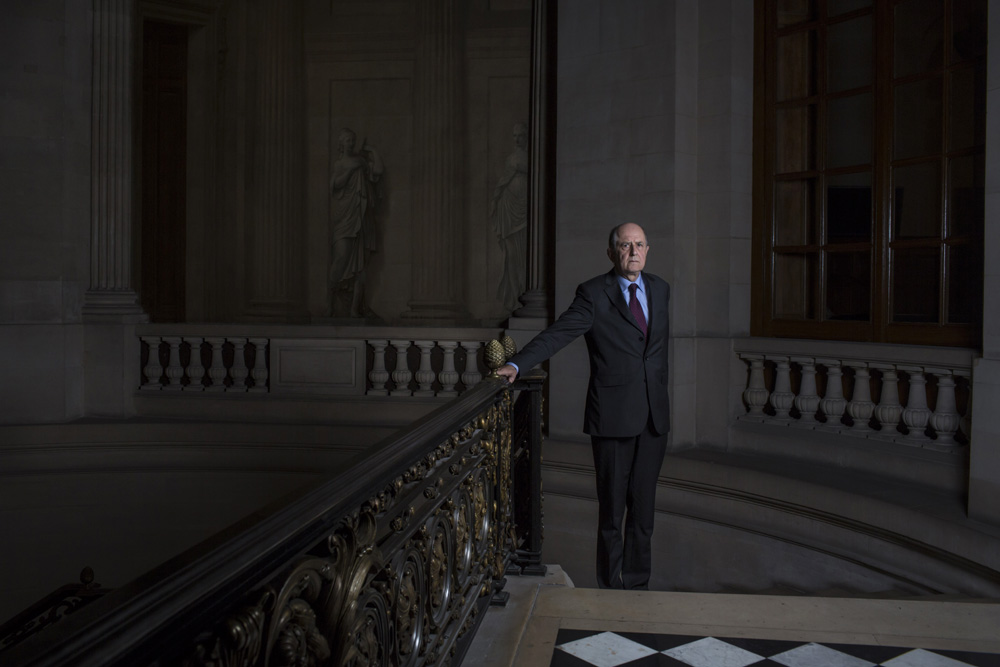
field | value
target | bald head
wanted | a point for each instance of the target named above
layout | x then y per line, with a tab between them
627	248
613	234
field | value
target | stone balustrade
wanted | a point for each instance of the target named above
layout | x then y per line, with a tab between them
204	363
253	359
913	395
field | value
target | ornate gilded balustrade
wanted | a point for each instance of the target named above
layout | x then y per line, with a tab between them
913	395
391	562
287	359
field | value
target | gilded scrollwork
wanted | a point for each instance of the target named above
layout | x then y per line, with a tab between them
439	568
480	506
294	638
299	642
400	579
237	642
369	635
463	543
407	606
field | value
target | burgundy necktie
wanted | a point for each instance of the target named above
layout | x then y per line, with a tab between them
636	307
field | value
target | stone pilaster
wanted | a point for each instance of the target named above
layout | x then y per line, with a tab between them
537	299
437	274
111	296
275	193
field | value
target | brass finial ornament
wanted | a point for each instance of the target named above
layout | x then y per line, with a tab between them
495	357
509	346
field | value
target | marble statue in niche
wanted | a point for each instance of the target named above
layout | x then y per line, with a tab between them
354	201
509	215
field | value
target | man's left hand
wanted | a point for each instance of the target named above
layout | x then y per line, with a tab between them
507	372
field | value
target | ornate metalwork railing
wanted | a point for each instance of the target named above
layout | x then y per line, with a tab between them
391	562
52	608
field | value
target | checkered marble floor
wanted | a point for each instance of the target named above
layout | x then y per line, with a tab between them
582	648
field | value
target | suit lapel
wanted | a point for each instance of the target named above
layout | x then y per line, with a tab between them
650	319
614	292
656	300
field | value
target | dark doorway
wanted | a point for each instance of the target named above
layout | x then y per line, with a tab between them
164	158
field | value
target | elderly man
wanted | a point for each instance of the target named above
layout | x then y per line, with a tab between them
623	315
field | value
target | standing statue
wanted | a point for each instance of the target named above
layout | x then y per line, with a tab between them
352	228
509	213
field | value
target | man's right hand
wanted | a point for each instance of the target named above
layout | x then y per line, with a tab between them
507	372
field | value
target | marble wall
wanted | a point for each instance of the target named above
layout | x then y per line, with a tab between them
616	157
654	127
437	95
44	206
984	482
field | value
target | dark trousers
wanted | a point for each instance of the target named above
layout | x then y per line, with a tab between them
627	470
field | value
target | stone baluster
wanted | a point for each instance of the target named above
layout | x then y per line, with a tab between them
916	414
782	396
195	369
889	410
425	374
401	376
965	423
833	403
217	371
945	419
756	393
378	375
807	402
259	372
153	369
175	372
239	372
861	407
471	375
448	375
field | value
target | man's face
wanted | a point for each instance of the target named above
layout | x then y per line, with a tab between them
629	255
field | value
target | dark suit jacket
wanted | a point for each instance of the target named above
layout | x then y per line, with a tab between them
628	374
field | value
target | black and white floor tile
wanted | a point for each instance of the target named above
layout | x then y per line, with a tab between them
583	648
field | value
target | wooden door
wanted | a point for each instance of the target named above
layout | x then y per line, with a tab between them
163	151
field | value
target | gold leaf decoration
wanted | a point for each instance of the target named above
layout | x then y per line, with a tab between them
495	357
509	346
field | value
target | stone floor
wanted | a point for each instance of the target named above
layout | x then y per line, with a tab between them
549	622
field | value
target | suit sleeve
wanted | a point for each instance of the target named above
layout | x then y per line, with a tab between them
574	322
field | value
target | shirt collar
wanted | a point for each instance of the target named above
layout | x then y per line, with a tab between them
624	282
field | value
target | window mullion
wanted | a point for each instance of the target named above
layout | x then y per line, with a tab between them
943	282
821	157
882	170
